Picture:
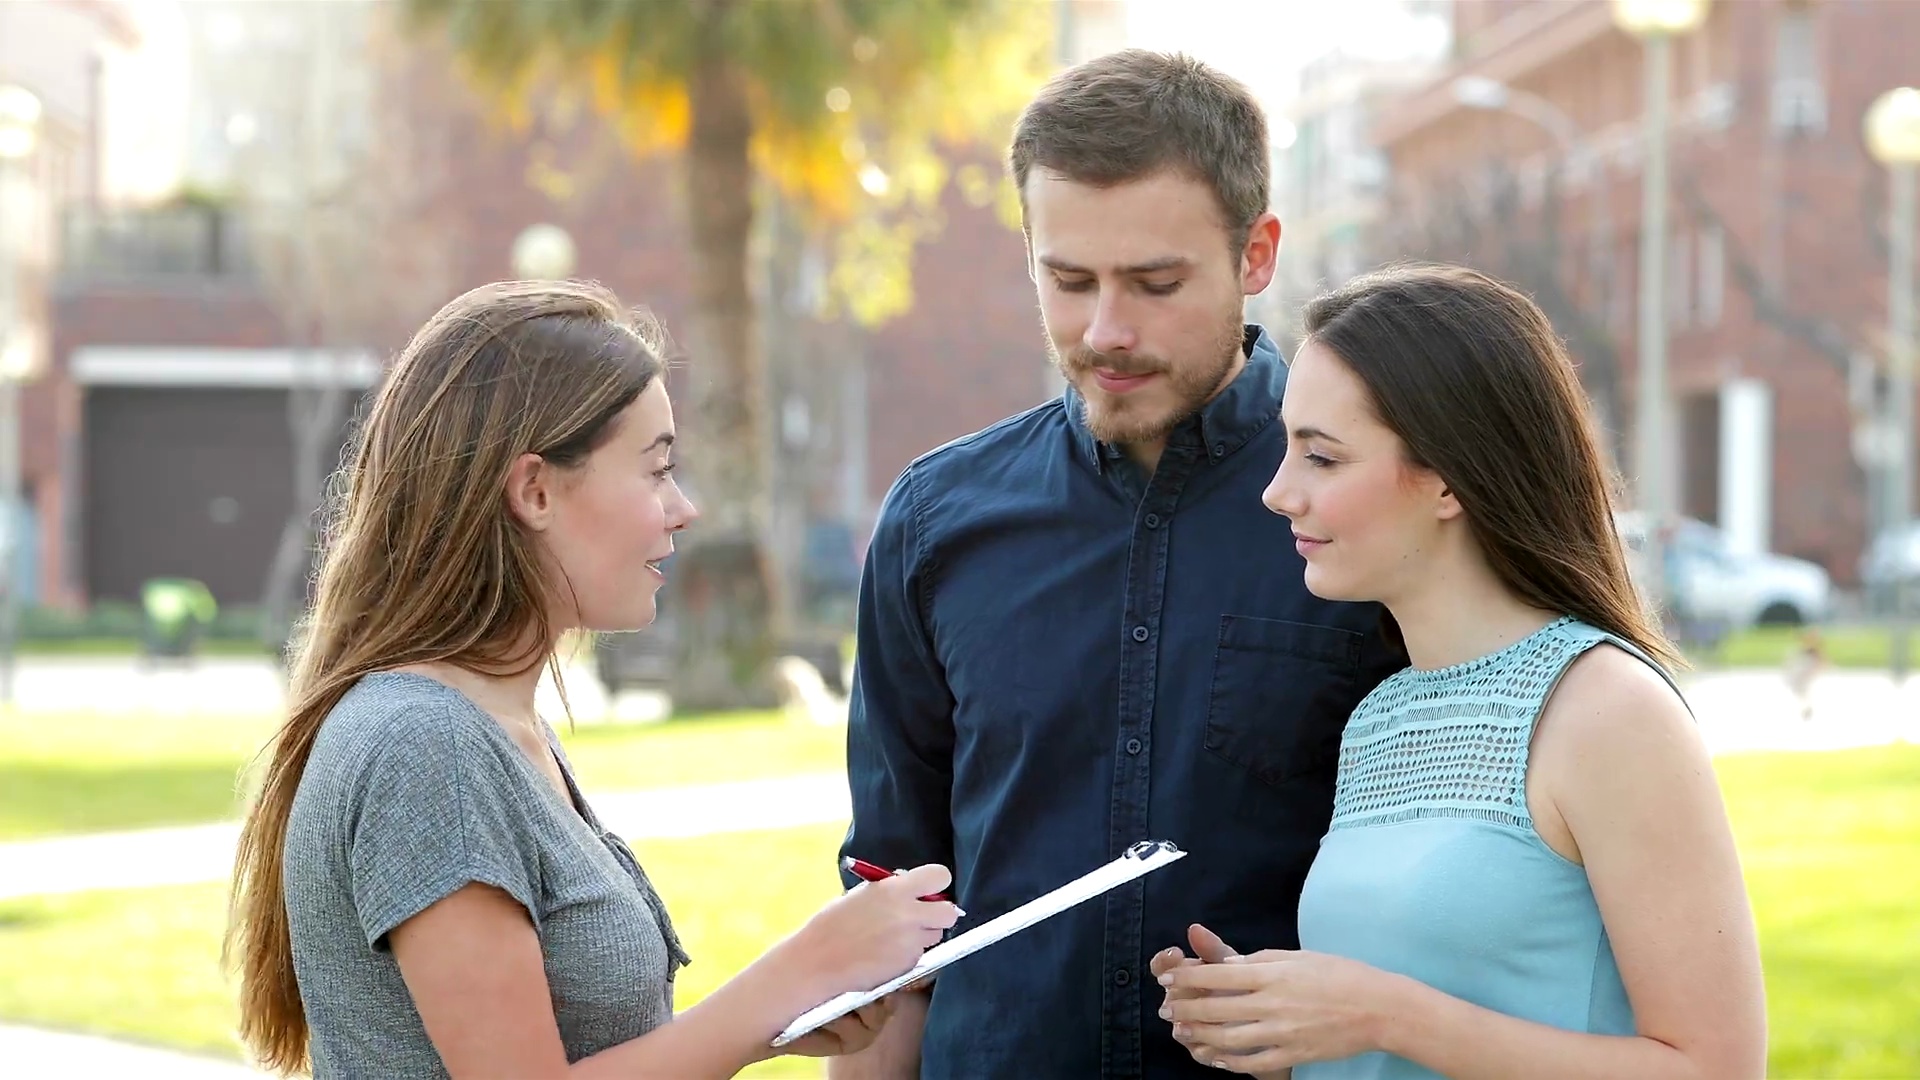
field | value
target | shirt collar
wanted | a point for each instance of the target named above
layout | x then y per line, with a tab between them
1225	424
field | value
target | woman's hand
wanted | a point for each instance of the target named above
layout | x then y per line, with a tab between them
1208	948
1275	1009
876	931
849	1034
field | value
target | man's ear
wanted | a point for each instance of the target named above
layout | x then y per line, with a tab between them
1261	256
529	491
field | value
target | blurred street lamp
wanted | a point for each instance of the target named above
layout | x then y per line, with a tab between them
19	132
19	122
1284	134
543	252
1893	138
1655	23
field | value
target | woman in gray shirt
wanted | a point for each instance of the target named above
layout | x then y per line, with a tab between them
421	890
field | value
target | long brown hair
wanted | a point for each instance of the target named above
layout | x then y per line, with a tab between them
1470	375
422	562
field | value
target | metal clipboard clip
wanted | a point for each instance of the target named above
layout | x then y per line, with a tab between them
1147	847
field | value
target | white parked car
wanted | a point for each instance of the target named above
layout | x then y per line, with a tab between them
1714	583
1893	556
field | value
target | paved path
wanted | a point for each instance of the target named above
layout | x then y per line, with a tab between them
1738	709
36	1054
1743	711
219	685
243	686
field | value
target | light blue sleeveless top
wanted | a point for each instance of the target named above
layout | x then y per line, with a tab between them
1432	868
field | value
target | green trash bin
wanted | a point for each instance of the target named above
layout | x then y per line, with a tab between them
176	613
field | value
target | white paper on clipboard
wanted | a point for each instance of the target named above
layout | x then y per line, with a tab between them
1140	859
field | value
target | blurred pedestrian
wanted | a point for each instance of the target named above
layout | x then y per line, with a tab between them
1805	661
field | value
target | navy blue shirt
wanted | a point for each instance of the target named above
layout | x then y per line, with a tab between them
1059	656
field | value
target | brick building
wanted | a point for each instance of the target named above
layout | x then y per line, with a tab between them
1777	257
57	51
173	350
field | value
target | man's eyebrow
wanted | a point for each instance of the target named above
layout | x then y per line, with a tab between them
1151	266
1164	262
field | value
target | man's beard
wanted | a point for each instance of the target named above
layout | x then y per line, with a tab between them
1120	420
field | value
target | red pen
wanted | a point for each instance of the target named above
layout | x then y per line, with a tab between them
866	871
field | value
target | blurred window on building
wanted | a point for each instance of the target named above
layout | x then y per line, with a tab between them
1799	100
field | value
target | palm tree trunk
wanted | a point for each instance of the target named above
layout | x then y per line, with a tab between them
720	595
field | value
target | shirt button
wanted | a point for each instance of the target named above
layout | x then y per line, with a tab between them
1133	746
1153	521
1219	448
1122	977
1139	633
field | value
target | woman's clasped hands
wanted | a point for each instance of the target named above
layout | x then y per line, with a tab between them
1262	1013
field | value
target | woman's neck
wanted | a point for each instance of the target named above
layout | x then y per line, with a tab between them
509	698
1461	612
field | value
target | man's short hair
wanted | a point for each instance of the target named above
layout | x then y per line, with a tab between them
1134	113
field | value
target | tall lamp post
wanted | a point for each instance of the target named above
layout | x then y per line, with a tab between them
19	131
1893	138
1656	23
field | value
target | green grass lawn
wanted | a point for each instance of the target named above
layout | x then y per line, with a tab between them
85	772
1850	646
94	771
1827	840
1856	647
117	647
1831	847
701	750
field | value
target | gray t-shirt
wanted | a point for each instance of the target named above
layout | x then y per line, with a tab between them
413	792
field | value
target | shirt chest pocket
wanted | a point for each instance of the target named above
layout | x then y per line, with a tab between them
1281	695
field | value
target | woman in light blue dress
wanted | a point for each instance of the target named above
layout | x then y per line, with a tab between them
1529	871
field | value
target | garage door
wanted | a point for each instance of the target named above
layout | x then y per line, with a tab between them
189	481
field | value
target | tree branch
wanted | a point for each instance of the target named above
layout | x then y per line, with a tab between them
1821	335
1490	231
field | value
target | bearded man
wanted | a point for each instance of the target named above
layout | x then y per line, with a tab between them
1080	628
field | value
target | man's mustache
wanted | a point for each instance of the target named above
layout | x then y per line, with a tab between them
1084	359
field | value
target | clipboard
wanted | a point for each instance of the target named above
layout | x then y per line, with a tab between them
1137	861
